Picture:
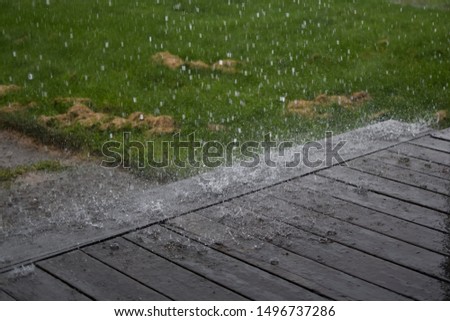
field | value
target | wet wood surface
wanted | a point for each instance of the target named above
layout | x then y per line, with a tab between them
377	228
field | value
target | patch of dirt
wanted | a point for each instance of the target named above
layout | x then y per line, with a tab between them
309	108
7	89
199	65
116	123
167	59
226	65
441	116
17	108
86	117
174	62
77	114
156	124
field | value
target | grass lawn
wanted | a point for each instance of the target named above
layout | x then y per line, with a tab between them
399	52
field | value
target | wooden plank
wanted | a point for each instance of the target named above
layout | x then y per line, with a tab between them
96	279
387	187
422	153
414	164
262	225
385	204
5	297
432	143
370	242
234	274
442	134
401	175
33	284
293	267
307	197
158	273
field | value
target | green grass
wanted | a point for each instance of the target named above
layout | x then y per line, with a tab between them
8	174
295	49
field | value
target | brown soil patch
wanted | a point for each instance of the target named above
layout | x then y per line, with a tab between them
226	65
167	59
308	108
441	115
302	107
216	127
86	117
77	114
7	89
156	124
16	107
198	64
174	62
116	123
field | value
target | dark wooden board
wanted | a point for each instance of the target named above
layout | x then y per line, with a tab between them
308	197
38	285
158	273
370	242
5	297
432	143
418	165
261	224
388	187
401	175
96	279
442	134
422	153
385	204
234	274
293	267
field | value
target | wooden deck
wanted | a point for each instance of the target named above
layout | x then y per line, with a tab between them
377	229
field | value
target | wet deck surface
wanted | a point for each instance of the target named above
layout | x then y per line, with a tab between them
376	229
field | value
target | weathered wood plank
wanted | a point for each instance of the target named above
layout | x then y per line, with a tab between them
442	134
33	284
158	273
432	143
348	234
387	187
305	195
5	297
422	153
97	279
418	165
262	225
385	204
234	274
300	270
401	175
